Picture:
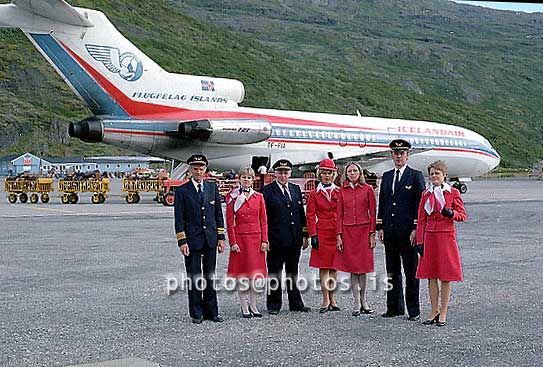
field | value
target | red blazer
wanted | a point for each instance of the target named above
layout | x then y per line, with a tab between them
356	206
436	222
321	209
250	218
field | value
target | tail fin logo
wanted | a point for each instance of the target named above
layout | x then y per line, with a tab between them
127	65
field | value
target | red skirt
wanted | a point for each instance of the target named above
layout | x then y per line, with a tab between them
441	258
250	262
357	255
323	258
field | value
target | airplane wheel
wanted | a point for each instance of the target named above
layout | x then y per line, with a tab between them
74	198
65	199
102	198
169	199
34	198
45	198
23	198
12	198
130	198
95	199
463	188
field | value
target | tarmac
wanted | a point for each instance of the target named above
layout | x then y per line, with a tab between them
88	284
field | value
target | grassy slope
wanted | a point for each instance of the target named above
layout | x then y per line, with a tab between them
389	58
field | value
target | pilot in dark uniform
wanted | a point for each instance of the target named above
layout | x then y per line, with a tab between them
399	196
199	228
287	234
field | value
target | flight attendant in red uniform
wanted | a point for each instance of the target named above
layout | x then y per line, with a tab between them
356	219
321	227
440	206
247	228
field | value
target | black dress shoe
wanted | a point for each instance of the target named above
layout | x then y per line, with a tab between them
300	309
214	319
197	321
333	308
414	318
273	312
367	311
389	314
431	321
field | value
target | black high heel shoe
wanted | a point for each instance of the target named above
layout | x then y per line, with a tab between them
254	313
367	311
431	321
247	315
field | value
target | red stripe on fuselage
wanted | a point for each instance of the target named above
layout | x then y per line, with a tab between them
312	142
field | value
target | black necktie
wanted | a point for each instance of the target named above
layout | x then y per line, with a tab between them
200	193
285	192
397	181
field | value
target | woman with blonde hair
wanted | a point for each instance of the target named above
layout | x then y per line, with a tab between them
321	227
440	206
247	228
356	217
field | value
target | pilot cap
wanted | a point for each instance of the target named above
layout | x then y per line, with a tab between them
197	159
399	145
282	164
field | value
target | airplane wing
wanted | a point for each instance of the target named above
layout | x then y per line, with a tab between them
17	13
365	160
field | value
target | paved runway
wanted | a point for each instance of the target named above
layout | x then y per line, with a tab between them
87	283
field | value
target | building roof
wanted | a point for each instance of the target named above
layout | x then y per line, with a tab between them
11	157
66	160
124	159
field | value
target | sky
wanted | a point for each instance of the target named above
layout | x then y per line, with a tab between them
525	7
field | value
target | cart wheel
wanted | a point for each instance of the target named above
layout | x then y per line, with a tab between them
158	198
169	199
65	199
74	198
12	198
95	199
23	198
45	198
102	198
137	198
34	198
130	198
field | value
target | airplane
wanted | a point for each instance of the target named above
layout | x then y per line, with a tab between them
140	106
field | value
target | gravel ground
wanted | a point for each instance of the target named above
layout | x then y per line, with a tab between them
87	283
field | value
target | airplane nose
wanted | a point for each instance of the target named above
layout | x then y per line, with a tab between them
495	161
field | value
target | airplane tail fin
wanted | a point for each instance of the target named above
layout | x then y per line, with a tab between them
111	75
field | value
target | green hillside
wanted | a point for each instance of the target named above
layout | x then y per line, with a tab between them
414	59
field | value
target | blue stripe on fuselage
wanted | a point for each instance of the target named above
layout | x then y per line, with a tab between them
99	102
